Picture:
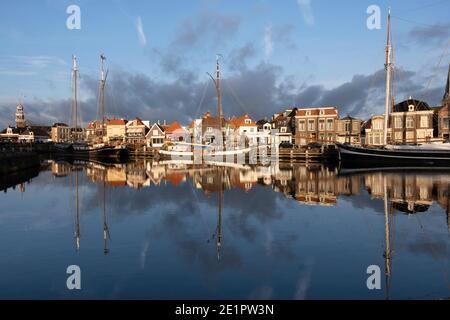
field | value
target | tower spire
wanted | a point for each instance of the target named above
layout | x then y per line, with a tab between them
447	88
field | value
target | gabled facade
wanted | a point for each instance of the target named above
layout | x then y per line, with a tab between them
175	132
413	121
136	132
155	136
116	130
375	131
244	126
211	126
348	130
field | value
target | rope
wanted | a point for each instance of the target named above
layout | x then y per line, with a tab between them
435	3
206	87
233	93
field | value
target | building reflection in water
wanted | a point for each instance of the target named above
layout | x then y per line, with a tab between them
409	191
403	191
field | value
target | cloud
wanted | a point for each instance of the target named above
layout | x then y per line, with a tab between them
140	32
237	59
208	27
306	9
260	90
437	33
268	42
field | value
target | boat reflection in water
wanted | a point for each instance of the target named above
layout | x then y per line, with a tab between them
184	231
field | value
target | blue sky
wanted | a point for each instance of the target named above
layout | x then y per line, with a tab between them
304	44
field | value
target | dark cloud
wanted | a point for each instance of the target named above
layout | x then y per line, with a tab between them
260	90
237	59
433	34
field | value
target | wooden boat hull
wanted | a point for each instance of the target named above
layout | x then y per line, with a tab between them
351	156
102	153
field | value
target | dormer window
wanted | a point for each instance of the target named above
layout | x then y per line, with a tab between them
308	113
411	108
248	121
322	112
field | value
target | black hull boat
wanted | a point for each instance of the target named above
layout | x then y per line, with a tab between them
360	157
104	153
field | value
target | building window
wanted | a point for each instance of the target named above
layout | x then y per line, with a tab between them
445	123
398	122
348	127
209	129
311	125
378	124
302	125
424	121
409	122
330	124
322	125
283	130
411	108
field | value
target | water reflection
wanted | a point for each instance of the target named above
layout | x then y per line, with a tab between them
275	231
410	191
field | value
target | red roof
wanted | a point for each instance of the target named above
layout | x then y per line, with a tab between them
240	122
137	122
116	122
172	127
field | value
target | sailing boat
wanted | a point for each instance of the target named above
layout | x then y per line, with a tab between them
189	150
394	155
79	148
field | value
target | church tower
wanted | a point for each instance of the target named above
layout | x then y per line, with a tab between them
20	116
446	99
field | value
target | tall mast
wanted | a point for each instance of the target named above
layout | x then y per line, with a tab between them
102	91
388	67
75	95
219	97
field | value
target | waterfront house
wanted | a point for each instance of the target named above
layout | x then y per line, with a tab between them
413	121
375	131
348	130
316	125
284	125
175	132
95	130
30	134
210	127
136	132
245	127
156	136
60	132
116	130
